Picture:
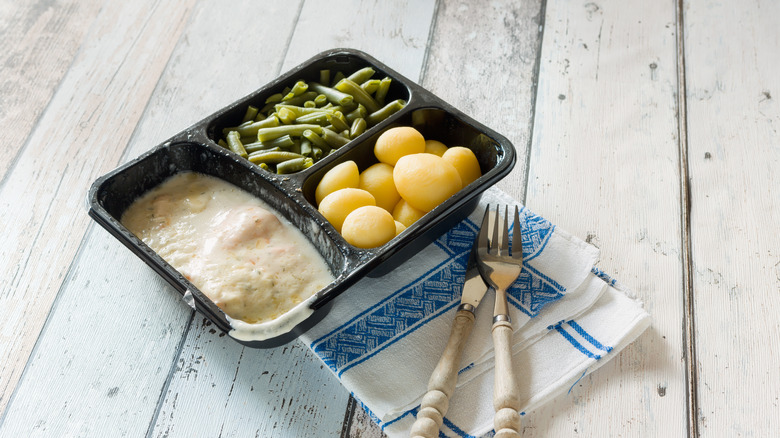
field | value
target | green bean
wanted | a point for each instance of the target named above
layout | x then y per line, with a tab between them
325	76
309	104
333	139
358	127
337	77
381	91
234	143
300	110
317	118
358	94
315	139
359	113
283	142
338	121
361	75
386	111
223	144
245	140
265	167
272	157
274	98
252	128
332	94
264	110
299	99
296	90
250	114
295	146
370	86
305	147
286	115
316	152
320	100
266	134
294	165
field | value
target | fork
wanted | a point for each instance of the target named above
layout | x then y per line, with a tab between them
500	265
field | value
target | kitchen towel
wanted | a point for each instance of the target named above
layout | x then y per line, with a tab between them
385	339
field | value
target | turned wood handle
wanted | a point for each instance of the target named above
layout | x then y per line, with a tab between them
442	382
506	398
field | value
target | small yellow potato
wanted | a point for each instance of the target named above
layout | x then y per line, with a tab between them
337	205
435	147
397	142
465	161
399	227
368	227
342	176
378	180
425	180
406	214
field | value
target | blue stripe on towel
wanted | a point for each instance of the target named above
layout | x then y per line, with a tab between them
602	275
576	344
588	337
451	426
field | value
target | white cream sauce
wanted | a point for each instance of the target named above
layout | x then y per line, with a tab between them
233	248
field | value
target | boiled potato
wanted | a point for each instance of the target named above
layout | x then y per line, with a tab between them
397	142
425	180
435	147
399	227
406	214
368	227
344	175
465	162
337	205
378	180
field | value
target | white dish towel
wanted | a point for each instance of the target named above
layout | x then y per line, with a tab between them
384	335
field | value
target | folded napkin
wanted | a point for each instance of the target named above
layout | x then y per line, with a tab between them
384	341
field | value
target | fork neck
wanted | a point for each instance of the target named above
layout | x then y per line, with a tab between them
501	307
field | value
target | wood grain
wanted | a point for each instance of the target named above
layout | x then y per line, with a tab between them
604	166
40	40
483	60
733	154
103	358
98	103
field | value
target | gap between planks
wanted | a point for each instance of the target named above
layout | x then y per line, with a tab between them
689	323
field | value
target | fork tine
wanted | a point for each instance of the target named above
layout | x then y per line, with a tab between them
517	240
504	248
482	237
494	245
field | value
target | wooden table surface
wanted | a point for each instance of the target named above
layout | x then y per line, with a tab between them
649	129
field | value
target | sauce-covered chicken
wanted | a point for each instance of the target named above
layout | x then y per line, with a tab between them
230	245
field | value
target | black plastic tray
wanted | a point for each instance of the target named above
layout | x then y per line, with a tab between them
195	149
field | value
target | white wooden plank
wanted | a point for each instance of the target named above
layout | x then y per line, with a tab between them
604	166
81	135
105	352
137	385
482	59
395	33
39	43
220	388
733	117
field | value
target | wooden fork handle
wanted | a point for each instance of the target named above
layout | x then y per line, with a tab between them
506	399
442	382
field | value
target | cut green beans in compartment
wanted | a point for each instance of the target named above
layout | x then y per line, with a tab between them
293	127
